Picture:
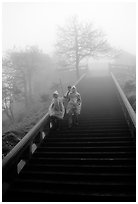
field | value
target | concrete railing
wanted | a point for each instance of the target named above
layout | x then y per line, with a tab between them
128	110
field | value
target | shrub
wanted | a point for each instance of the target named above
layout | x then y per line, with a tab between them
129	86
44	98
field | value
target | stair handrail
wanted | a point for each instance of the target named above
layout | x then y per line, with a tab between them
24	148
82	76
26	139
128	107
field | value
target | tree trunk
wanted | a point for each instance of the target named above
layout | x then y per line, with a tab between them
8	115
77	54
11	113
30	87
25	85
26	93
77	69
11	110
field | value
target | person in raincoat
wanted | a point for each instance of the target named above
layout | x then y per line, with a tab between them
66	98
73	107
56	111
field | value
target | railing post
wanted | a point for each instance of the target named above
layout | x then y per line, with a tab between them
46	127
7	180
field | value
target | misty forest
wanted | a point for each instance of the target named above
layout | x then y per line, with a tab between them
29	75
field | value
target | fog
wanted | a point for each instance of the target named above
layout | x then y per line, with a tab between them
36	23
29	36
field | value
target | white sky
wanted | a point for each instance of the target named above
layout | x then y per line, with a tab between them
36	23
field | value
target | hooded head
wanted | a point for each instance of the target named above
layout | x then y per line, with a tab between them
69	88
55	94
74	89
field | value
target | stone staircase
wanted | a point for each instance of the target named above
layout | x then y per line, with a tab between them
95	161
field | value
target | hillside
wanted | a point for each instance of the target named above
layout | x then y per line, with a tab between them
124	68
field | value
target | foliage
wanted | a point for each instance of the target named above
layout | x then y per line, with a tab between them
10	90
25	64
55	86
127	80
44	98
23	76
129	86
15	132
18	71
132	99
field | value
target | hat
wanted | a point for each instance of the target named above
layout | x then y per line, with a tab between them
73	87
55	93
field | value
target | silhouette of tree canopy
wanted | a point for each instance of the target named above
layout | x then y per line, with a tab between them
19	69
26	64
77	41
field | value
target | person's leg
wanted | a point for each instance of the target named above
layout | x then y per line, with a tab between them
53	121
76	117
59	123
70	119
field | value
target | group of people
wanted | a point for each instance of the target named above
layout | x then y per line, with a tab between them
69	105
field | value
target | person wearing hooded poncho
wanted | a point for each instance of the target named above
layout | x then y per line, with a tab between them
56	111
74	106
66	98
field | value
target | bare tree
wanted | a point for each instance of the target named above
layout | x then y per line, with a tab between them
77	41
